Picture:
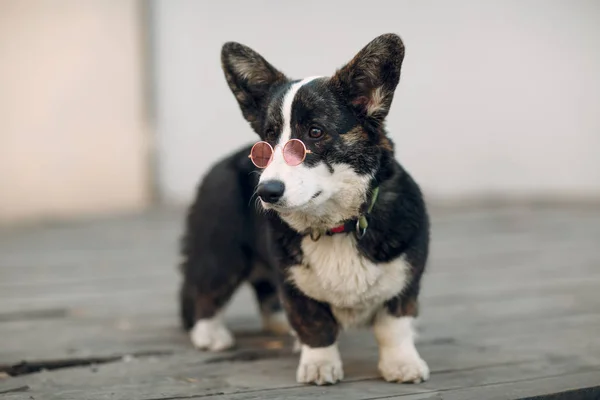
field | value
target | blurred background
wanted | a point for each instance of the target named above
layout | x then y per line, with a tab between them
119	105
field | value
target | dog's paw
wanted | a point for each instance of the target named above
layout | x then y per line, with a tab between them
325	373
403	367
276	323
211	334
321	366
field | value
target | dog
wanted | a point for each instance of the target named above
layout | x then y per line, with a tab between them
318	216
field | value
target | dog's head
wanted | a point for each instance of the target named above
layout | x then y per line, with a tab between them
340	119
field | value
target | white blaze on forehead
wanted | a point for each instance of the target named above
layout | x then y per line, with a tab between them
286	109
278	169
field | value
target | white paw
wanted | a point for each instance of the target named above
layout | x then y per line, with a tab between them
276	323
403	366
211	334
321	366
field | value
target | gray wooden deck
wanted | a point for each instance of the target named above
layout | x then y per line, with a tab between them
510	309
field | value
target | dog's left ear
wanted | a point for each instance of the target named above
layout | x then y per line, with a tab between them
250	77
368	81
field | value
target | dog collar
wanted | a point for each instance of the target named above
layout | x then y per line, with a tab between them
357	225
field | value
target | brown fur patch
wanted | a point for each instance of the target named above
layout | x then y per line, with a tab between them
209	302
312	320
385	143
355	135
403	306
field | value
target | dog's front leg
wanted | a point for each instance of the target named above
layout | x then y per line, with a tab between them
399	360
317	330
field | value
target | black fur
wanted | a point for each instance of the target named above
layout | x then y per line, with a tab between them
224	240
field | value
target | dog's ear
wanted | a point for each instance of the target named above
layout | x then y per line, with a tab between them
250	77
368	81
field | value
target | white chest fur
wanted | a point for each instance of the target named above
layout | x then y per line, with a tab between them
333	271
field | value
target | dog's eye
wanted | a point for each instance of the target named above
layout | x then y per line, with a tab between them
315	133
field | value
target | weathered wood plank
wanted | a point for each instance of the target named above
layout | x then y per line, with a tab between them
446	358
92	334
576	386
186	376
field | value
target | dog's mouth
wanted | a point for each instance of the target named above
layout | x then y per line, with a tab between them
284	207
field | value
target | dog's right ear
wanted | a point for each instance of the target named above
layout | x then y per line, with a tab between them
250	77
368	81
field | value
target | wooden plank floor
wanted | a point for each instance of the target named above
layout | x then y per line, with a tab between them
510	309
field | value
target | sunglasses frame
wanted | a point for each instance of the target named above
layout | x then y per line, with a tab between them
306	151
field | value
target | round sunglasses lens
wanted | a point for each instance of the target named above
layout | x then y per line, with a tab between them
294	152
261	154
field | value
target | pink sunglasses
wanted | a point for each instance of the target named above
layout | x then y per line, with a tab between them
294	153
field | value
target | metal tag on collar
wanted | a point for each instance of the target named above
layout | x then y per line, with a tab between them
315	234
362	223
361	227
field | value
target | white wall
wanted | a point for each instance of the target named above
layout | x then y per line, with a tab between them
496	97
73	137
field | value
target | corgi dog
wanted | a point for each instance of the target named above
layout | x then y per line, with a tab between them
319	217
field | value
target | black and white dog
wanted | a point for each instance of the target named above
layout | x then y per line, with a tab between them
340	231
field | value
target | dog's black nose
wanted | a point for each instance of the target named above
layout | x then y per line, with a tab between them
270	191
